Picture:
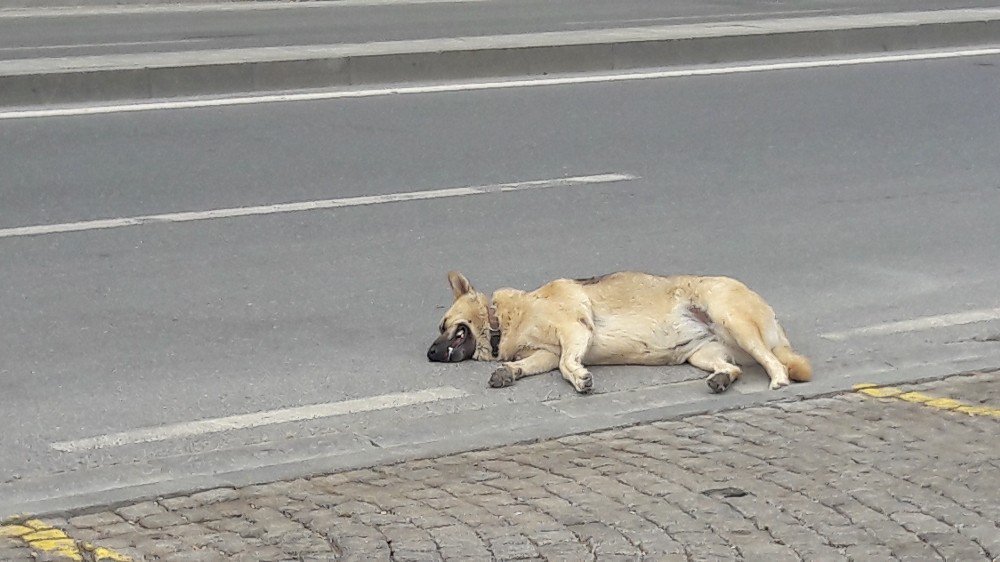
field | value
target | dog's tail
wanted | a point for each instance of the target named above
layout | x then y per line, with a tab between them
798	366
774	337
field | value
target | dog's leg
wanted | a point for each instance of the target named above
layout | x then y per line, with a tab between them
714	358
539	362
748	337
575	342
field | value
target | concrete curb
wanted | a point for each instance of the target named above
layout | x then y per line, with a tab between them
32	82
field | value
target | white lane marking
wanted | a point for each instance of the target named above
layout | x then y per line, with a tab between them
311	205
114	44
111	10
715	18
917	324
473	86
258	419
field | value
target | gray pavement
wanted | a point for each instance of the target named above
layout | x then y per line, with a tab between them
160	52
848	197
908	473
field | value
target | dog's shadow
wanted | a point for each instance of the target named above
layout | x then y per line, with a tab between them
622	378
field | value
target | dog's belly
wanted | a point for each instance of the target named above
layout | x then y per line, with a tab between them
637	340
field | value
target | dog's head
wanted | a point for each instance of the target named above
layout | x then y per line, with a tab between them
465	327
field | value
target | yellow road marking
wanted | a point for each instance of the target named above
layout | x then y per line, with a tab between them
45	538
948	404
14	531
46	535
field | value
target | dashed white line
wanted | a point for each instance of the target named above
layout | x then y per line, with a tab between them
258	419
917	324
474	86
189	216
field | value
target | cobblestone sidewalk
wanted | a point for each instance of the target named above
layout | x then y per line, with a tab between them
878	474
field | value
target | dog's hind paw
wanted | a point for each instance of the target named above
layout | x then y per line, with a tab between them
501	377
776	384
719	382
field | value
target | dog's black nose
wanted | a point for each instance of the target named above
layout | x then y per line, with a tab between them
440	351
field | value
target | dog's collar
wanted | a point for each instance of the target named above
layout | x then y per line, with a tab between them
491	313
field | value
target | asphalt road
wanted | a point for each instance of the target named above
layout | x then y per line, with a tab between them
97	30
849	197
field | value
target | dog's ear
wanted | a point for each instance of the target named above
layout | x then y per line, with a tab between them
459	284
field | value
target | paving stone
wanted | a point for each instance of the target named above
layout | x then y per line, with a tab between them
912	551
423	516
562	511
102	519
768	551
867	552
322	522
86	535
217	495
137	511
953	546
354	545
843	536
327	557
566	552
160	547
603	539
14	550
457	537
161	520
114	530
179	502
512	547
919	523
18	555
543	538
465	554
239	526
354	508
296	542
230	543
416	556
196	556
408	538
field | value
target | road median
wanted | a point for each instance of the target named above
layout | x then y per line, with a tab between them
146	76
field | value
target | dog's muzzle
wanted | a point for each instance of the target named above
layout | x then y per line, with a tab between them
458	346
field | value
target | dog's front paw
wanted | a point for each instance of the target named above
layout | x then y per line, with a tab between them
501	377
584	384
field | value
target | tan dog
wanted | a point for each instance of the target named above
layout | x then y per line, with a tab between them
626	318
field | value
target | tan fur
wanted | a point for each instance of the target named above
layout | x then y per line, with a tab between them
714	323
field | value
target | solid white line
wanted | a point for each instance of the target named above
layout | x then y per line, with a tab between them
728	18
144	9
258	419
917	324
114	44
311	205
474	86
